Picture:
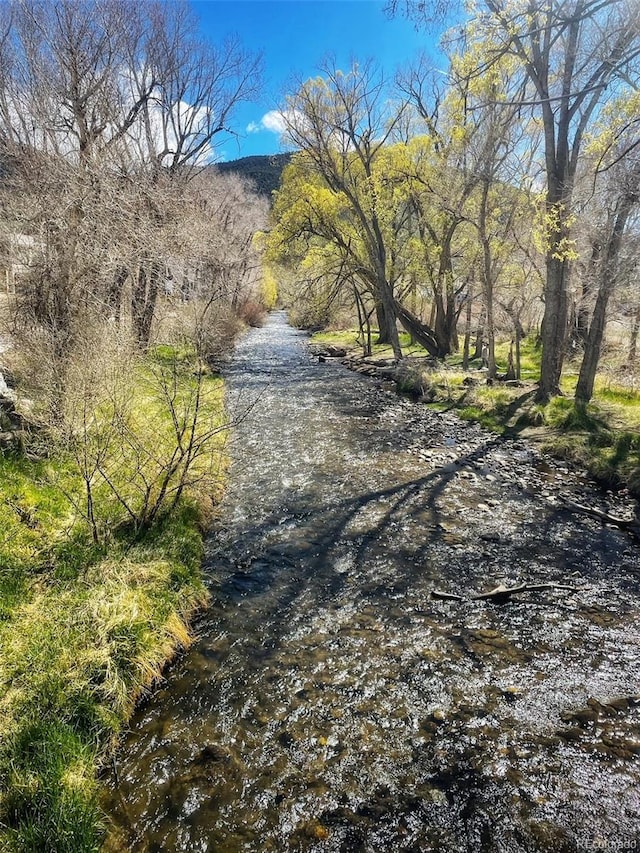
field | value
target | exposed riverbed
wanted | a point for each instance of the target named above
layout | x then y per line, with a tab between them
330	703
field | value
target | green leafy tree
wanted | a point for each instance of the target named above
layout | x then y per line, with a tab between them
342	122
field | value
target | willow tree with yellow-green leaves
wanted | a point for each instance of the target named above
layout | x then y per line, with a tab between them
464	180
344	196
497	152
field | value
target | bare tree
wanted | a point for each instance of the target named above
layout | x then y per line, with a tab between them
624	191
107	96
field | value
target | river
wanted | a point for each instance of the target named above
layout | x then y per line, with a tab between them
330	703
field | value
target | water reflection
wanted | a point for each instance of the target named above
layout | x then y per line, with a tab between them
331	704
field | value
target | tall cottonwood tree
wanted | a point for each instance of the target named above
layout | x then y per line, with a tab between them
616	193
574	54
457	177
415	204
439	189
363	199
626	198
320	235
498	152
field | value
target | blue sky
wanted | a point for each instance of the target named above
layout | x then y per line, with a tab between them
294	36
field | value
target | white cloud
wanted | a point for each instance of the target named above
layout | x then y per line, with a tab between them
273	121
279	122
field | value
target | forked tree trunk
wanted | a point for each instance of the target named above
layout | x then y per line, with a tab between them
445	325
364	321
144	299
419	332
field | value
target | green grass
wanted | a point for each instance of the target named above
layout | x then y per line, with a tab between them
530	354
596	438
491	408
529	351
349	339
623	396
85	628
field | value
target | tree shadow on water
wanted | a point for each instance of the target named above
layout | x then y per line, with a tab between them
276	563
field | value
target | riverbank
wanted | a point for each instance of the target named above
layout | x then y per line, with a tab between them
604	439
91	609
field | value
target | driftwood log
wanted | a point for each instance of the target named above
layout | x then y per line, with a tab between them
500	592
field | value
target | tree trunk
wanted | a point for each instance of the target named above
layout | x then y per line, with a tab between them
421	333
487	281
446	317
606	286
387	317
364	322
477	353
114	296
520	334
633	343
511	370
490	335
432	314
444	327
581	329
467	328
381	319
413	303
144	299
554	327
452	314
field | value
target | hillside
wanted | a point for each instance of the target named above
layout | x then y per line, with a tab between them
264	170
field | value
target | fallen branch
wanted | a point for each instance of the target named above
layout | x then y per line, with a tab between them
446	596
503	592
630	524
500	592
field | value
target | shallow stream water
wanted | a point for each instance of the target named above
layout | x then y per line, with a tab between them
330	703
